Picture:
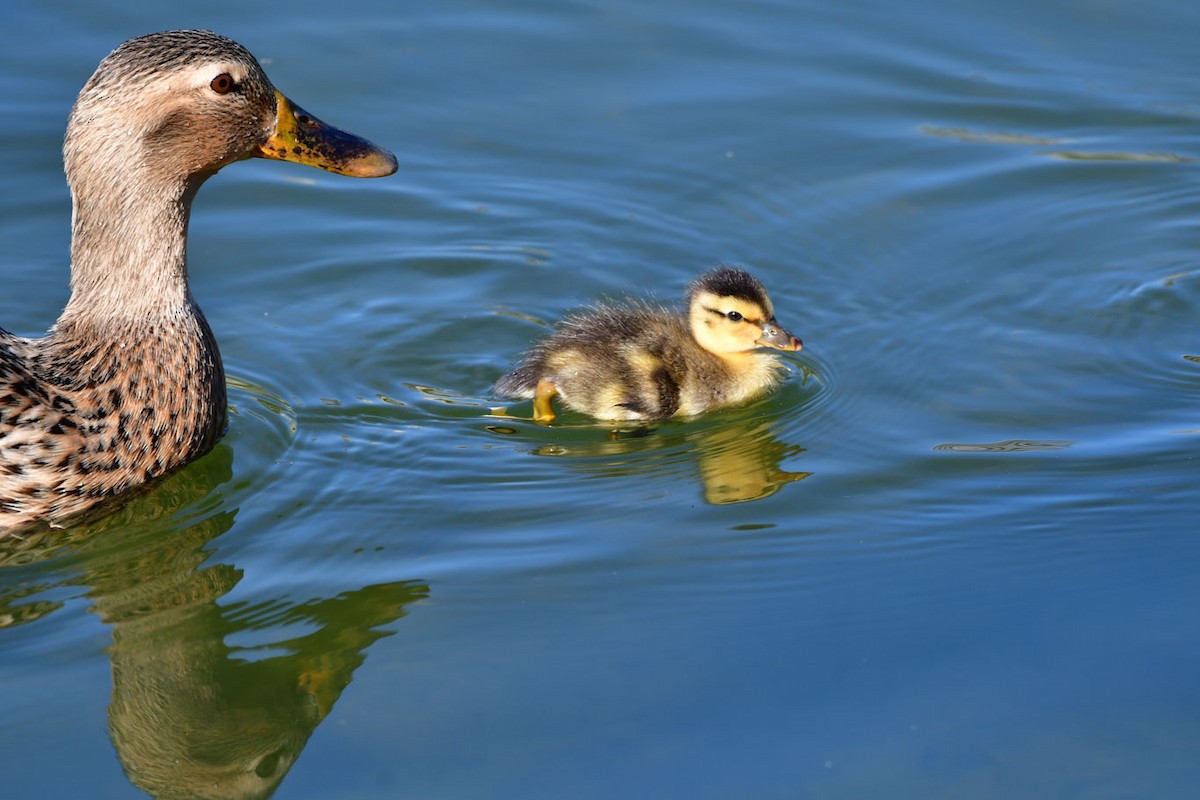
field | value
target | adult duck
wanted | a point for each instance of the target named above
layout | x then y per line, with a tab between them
128	385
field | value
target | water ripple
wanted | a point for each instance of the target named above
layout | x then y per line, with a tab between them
1009	446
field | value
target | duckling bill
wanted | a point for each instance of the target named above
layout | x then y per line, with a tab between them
642	362
128	385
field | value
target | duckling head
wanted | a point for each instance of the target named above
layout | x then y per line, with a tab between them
174	107
730	313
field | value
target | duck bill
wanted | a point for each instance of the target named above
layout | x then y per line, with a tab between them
775	336
300	137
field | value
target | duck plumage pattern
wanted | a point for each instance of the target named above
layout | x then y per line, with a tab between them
638	361
128	385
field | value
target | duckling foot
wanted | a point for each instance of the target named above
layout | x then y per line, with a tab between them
543	411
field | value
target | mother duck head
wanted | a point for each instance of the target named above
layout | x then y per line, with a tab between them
128	384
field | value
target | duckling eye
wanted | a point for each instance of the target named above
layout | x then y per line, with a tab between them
734	316
222	84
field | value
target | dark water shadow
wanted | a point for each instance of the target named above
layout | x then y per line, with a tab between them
192	715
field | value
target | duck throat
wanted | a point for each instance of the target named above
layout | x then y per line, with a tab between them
129	247
132	351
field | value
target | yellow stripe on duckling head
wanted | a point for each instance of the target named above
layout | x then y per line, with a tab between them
300	137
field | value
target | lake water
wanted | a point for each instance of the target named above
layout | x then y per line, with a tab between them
955	555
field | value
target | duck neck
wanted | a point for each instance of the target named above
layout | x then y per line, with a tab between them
129	251
131	343
131	317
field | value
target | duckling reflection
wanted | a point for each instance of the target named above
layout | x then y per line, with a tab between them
737	462
191	715
741	465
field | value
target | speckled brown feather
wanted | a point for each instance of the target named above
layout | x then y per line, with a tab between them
128	385
82	421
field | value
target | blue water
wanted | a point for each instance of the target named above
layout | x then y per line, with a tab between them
955	555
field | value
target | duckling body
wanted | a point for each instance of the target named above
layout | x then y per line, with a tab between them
128	384
643	362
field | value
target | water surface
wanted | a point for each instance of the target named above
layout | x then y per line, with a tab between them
953	556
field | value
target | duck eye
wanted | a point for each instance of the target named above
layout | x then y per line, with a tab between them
222	84
734	316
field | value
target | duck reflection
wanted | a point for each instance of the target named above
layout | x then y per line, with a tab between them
192	715
737	462
742	463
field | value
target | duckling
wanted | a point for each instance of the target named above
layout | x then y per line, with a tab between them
643	362
127	385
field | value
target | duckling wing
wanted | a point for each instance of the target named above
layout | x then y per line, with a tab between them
612	362
629	362
583	340
649	369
